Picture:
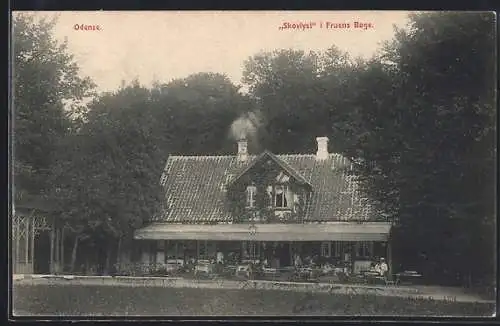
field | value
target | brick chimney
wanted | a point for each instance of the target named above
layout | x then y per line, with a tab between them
242	150
322	152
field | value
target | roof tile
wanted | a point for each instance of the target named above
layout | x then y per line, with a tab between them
195	188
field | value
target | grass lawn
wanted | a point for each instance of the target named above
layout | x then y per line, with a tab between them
81	300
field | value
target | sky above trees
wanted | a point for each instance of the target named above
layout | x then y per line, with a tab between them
162	46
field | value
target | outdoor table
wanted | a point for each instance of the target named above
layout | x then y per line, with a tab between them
409	278
229	269
269	271
284	273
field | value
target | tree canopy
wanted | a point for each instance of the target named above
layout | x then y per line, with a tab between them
297	93
426	139
47	93
109	172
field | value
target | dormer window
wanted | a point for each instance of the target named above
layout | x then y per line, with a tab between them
251	192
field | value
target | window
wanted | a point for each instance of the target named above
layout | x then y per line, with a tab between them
339	249
202	249
364	249
250	250
280	197
251	191
269	191
326	249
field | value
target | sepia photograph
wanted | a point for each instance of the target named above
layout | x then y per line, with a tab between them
253	163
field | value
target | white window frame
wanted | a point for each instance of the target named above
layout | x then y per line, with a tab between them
251	249
284	194
250	196
339	249
364	249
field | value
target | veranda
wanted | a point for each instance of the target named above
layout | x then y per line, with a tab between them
36	243
356	256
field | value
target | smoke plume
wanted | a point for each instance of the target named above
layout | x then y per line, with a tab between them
245	127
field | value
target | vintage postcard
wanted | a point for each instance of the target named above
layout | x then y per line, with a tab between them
253	163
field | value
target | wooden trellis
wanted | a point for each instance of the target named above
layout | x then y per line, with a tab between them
24	230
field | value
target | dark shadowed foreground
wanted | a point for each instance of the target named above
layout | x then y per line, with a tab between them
78	300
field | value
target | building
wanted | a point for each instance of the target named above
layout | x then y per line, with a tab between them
36	246
266	206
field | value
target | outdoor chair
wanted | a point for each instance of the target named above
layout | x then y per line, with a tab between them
243	271
203	268
344	278
389	281
173	266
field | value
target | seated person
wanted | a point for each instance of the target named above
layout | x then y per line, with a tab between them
383	268
220	257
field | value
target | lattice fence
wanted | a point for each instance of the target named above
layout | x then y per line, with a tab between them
24	230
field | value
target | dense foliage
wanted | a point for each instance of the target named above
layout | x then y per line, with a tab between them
110	174
426	141
47	94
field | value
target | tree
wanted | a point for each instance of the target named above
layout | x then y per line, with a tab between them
297	94
201	108
109	177
425	140
47	93
108	173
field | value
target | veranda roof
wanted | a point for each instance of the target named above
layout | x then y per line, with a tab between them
336	231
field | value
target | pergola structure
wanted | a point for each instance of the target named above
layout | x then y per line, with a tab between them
31	220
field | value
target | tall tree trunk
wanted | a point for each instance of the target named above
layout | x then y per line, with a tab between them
58	251
62	249
73	253
118	254
52	245
107	266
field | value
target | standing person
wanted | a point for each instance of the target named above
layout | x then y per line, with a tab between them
297	261
347	257
347	261
219	261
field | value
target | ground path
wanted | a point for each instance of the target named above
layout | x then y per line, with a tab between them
422	292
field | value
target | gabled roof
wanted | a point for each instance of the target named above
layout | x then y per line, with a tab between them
266	154
196	187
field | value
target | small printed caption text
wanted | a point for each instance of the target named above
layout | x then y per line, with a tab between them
325	25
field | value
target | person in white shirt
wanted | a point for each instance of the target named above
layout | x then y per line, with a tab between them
220	257
297	261
383	267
